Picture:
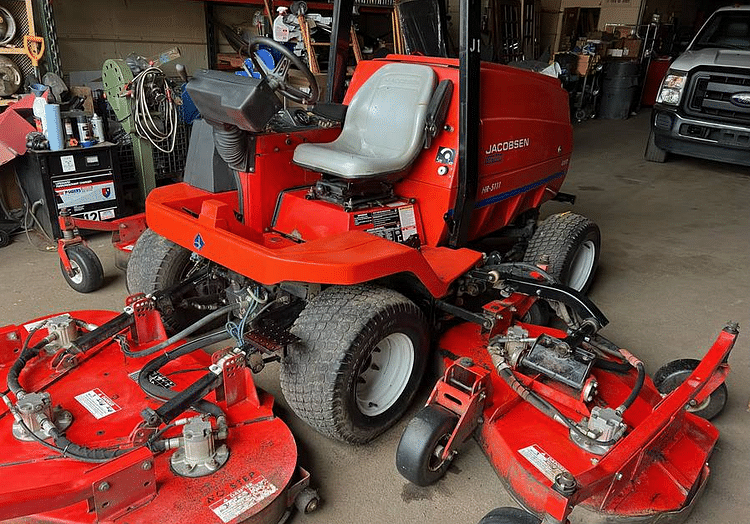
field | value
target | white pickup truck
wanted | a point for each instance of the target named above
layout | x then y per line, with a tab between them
703	106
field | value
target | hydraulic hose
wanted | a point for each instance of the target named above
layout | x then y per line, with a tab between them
84	453
609	365
506	373
164	394
25	355
641	369
184	333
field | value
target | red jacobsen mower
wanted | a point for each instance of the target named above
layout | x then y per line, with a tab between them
344	242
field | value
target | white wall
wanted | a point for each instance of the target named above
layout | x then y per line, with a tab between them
620	12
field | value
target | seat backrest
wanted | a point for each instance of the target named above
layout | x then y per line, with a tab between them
386	117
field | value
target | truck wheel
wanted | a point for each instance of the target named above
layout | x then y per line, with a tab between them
88	274
571	244
509	516
157	264
359	363
671	375
653	152
418	457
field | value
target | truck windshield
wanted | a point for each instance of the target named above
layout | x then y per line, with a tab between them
728	30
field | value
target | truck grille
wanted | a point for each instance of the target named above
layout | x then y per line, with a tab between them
711	95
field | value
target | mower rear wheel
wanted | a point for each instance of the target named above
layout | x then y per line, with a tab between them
157	264
359	363
509	516
88	274
569	244
4	238
671	375
419	454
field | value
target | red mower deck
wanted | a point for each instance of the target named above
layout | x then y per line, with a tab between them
103	405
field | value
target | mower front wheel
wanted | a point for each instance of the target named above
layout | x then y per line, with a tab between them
88	274
419	454
156	264
671	375
509	516
359	362
569	244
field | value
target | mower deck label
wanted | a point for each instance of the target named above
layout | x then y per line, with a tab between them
97	403
243	499
539	458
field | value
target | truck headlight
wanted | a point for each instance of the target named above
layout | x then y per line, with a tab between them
671	88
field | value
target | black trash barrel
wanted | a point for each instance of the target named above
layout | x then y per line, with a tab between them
619	88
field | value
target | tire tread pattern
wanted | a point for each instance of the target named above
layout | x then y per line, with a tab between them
312	371
557	237
89	265
154	265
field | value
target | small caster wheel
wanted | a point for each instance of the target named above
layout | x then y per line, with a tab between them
307	501
669	377
4	238
509	516
88	274
419	454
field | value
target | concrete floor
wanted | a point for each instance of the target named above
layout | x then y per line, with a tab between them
675	254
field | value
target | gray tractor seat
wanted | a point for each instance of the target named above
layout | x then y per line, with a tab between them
384	127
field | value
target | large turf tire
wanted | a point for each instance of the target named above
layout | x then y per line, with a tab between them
571	244
653	152
418	456
671	375
157	264
509	516
88	274
358	344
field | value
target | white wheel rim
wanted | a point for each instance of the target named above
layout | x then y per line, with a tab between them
385	374
77	277
582	265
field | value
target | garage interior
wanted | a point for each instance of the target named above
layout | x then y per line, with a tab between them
674	235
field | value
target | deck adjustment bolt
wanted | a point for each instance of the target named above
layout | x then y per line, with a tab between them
466	362
104	486
565	483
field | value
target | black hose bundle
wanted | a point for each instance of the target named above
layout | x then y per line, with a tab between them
164	394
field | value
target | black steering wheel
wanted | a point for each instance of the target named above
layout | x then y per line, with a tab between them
277	78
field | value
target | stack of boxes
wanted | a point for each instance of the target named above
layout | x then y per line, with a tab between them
619	42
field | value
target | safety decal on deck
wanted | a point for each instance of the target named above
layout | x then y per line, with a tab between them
539	458
97	403
242	499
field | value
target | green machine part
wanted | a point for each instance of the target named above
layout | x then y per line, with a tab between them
116	76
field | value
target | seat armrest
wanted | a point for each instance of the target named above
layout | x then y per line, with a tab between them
437	110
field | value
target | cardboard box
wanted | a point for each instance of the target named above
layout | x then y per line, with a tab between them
583	64
631	47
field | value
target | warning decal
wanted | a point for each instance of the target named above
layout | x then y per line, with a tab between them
408	222
97	403
539	458
242	499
